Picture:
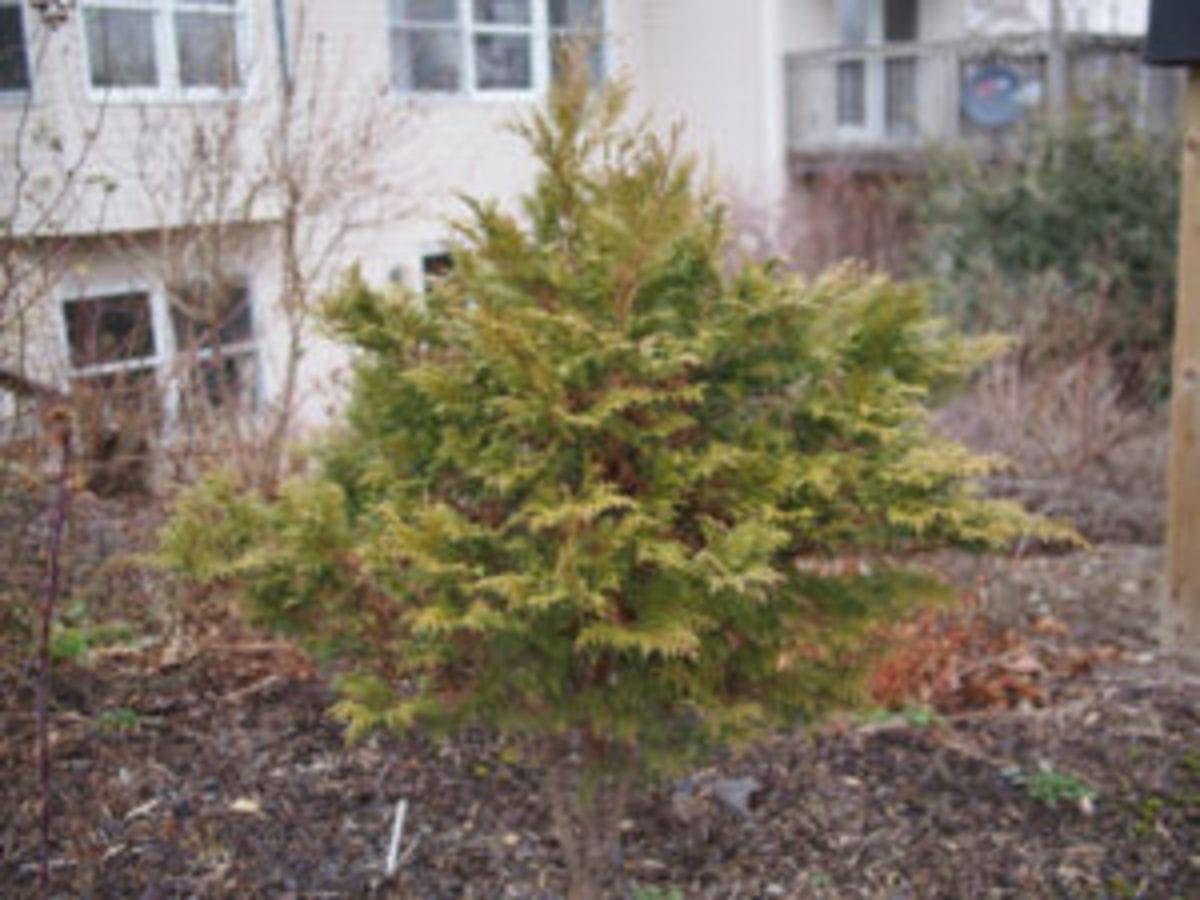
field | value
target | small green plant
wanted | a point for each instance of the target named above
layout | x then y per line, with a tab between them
74	638
1122	888
920	716
1148	814
1052	788
641	892
1191	765
914	715
69	643
121	718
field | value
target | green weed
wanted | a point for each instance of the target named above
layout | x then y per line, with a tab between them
1052	788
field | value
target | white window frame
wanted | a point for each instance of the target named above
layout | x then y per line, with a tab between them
538	31
166	52
21	95
166	349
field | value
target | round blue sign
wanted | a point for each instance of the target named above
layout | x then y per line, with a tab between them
992	96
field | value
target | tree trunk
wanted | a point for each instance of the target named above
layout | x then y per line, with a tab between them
586	818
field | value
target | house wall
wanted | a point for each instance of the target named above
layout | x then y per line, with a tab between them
809	24
715	68
719	72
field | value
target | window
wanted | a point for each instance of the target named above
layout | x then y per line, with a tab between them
851	93
114	331
14	59
503	45
204	317
853	22
435	267
900	81
114	357
482	47
578	20
163	356
212	326
426	45
164	46
900	20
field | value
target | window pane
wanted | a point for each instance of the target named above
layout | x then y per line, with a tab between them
425	60
207	47
901	101
14	68
577	14
424	10
900	20
507	12
109	329
119	401
205	318
594	50
852	22
121	48
226	382
851	88
502	61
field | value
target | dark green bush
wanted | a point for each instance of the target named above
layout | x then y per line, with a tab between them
1070	243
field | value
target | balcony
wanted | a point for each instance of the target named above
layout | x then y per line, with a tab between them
877	107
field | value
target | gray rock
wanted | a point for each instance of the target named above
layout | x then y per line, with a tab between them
736	793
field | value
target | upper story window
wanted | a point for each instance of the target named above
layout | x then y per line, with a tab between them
862	22
14	57
900	23
483	46
165	47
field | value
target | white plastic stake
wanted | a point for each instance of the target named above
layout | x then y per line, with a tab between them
393	857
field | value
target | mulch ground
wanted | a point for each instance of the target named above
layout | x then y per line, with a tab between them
211	770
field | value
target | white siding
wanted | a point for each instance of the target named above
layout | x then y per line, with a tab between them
714	66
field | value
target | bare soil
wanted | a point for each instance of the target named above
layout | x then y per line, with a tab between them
212	770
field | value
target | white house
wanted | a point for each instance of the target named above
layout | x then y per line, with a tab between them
136	135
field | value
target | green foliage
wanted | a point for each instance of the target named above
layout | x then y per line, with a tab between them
1072	239
1052	788
119	719
655	893
75	635
591	485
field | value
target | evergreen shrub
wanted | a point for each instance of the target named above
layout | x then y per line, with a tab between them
598	495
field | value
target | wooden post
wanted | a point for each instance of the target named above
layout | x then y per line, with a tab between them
1181	613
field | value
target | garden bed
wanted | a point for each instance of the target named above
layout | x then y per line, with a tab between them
211	770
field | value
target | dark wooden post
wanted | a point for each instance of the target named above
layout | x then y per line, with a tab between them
1174	39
